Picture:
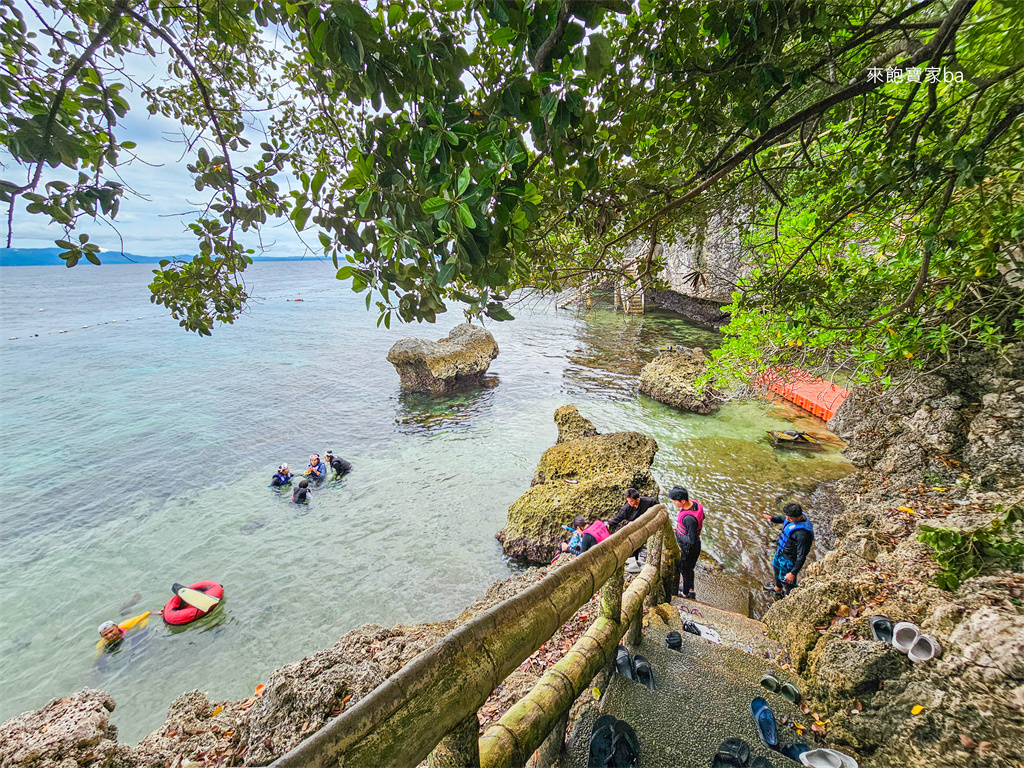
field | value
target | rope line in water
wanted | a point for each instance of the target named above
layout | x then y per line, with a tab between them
147	317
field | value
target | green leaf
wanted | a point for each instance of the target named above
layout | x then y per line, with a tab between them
464	179
435	204
466	216
445	274
318	182
395	14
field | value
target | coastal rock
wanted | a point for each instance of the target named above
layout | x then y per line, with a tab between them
572	426
581	476
671	379
459	360
852	671
67	732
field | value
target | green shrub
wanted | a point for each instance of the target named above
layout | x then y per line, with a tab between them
962	554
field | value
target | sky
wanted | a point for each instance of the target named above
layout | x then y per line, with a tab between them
151	225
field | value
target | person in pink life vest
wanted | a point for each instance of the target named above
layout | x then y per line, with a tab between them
585	536
688	528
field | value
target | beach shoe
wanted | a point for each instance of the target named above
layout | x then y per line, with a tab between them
674	641
771	588
764	719
602	742
790	692
881	628
643	671
627	747
771	682
793	751
827	758
925	648
732	753
904	635
708	634
691	627
623	664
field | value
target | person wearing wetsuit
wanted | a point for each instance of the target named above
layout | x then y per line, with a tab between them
316	470
635	506
283	476
301	494
688	528
338	464
585	536
794	545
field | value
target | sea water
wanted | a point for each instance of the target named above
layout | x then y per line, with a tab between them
135	455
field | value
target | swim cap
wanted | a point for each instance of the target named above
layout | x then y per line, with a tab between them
282	467
106	625
314	456
678	493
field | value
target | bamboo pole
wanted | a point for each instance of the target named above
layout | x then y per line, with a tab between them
460	748
402	720
611	596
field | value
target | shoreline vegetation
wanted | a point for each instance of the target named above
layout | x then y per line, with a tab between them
936	451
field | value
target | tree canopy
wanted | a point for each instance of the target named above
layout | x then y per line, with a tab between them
451	151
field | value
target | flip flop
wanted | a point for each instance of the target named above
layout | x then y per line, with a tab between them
904	635
627	747
709	634
925	648
689	626
881	628
623	664
827	758
674	641
793	751
731	752
643	671
790	692
602	742
770	682
764	719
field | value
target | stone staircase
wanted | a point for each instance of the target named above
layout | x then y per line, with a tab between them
702	694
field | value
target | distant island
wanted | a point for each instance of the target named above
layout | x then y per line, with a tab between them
49	257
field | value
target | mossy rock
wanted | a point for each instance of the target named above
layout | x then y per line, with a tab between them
582	476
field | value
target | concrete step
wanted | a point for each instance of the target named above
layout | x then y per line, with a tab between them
702	693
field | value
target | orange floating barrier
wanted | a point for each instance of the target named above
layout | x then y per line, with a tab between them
820	397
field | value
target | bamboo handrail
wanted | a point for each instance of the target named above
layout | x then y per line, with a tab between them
403	719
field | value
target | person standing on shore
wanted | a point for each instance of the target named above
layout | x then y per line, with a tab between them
794	545
635	506
688	528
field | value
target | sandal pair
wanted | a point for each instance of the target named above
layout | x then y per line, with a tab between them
613	744
788	691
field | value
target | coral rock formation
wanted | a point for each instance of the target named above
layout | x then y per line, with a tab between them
584	473
671	379
438	367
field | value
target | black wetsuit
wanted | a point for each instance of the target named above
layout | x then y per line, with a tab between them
629	513
340	466
301	495
689	543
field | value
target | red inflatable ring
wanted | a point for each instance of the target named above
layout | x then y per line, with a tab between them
177	611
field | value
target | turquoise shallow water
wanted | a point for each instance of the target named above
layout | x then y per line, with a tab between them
137	455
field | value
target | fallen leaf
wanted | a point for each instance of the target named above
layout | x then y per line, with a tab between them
908	510
805	708
217	711
259	689
596	692
843	610
858	706
968	742
917	709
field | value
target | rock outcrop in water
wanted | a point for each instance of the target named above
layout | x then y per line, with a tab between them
583	474
671	378
438	367
941	451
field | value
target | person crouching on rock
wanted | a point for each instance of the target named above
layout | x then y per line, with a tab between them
794	545
688	527
585	536
635	506
301	494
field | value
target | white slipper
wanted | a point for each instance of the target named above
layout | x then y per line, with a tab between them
904	635
709	634
827	758
925	648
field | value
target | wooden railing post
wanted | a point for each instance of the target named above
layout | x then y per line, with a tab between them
460	748
611	596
